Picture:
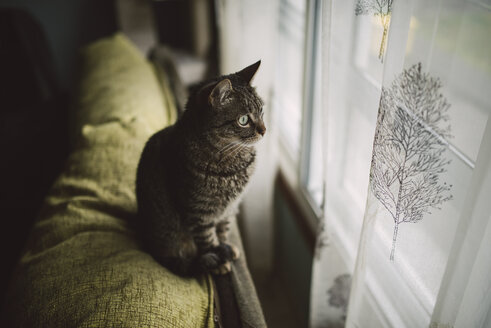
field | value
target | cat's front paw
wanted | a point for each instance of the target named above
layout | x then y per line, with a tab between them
235	252
222	269
227	252
218	259
211	262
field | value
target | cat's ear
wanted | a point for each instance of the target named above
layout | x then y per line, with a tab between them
220	92
247	74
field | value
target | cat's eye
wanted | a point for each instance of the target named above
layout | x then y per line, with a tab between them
243	120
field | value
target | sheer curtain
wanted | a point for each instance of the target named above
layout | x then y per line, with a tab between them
405	240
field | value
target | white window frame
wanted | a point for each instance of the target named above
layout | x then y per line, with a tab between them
295	166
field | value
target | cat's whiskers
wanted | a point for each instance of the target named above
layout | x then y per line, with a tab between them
242	145
227	147
229	152
232	150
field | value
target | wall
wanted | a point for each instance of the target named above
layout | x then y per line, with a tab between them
67	25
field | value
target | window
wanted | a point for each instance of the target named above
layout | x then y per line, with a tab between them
289	73
312	165
298	95
352	96
335	123
300	100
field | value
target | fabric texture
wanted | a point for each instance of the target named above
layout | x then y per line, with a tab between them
82	266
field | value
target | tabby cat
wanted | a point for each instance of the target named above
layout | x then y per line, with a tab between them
191	175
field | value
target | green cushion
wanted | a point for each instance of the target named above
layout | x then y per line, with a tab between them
82	266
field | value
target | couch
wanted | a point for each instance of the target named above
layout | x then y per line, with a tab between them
82	265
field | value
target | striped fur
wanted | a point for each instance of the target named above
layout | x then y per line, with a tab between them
191	176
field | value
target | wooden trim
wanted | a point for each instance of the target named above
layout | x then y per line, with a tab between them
299	215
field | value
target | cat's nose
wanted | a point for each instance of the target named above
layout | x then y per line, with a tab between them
261	129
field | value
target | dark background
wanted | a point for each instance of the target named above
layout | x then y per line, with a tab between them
39	42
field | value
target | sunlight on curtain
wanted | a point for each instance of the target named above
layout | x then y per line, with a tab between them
421	165
351	85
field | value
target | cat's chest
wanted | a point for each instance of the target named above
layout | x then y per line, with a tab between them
222	183
226	184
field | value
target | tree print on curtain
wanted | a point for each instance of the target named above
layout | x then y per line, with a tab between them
339	293
381	8
408	149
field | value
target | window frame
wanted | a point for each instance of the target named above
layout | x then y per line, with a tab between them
312	67
294	165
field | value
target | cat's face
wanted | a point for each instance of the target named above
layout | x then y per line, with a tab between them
239	116
236	109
